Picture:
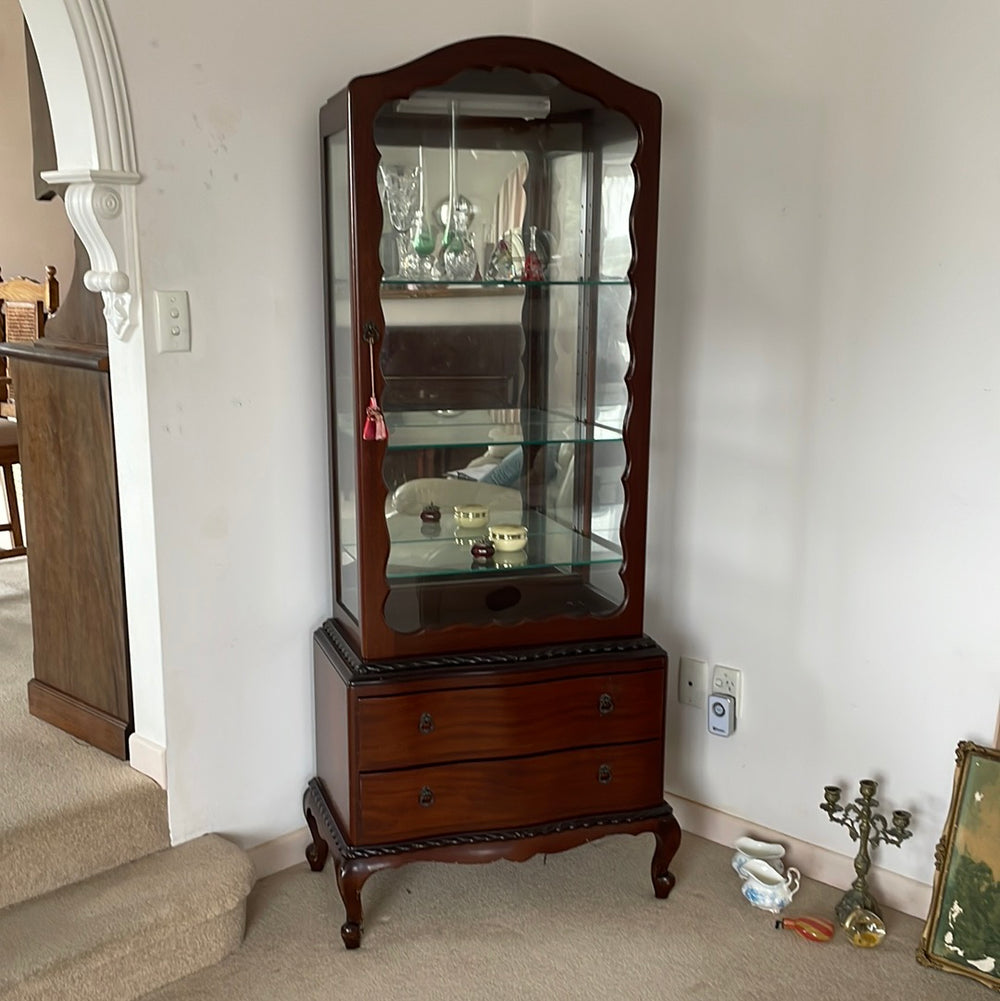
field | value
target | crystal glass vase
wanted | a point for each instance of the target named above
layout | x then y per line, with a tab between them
401	189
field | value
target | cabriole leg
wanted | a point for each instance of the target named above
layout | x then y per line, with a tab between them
668	840
316	852
350	880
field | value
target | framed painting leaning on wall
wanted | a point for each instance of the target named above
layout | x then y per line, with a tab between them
962	933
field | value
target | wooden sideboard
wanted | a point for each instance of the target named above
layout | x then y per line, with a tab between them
81	669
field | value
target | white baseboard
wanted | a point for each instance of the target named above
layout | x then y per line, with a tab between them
149	758
899	892
280	853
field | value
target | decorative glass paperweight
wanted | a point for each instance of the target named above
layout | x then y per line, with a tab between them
864	928
501	265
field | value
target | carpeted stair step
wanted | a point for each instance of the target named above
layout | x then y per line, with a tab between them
87	828
125	932
67	810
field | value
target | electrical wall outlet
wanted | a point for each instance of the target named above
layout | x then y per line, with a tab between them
692	682
729	681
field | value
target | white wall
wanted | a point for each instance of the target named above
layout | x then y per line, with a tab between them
225	100
32	233
827	362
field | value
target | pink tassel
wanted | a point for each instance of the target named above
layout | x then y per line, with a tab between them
374	429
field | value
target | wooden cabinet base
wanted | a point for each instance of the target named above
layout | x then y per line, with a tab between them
494	754
355	863
92	725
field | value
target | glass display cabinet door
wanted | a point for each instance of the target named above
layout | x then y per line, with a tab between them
505	376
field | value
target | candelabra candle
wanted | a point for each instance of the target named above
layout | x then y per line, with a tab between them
870	829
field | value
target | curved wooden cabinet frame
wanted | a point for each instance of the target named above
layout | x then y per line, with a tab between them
353	112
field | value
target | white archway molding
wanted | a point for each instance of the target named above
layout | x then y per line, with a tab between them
95	150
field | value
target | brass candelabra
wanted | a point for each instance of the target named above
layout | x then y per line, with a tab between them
871	829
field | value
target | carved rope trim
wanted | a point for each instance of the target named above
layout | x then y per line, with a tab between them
487	659
314	797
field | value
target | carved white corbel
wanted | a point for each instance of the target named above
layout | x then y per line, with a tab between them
101	207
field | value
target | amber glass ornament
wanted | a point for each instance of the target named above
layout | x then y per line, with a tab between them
811	929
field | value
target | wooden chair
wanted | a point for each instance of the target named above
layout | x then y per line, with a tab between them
9	457
25	305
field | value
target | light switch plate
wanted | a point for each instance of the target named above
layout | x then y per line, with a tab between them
692	682
173	321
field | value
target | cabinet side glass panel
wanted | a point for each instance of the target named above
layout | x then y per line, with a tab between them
341	375
505	294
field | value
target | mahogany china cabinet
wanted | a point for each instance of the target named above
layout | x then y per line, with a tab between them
484	688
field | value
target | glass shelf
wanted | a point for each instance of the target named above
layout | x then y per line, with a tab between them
444	286
405	529
418	429
551	544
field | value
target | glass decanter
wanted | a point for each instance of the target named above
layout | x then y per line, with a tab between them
460	259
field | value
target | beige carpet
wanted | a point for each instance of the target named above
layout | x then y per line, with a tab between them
124	932
66	809
580	925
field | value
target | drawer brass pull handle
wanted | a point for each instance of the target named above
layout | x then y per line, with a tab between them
426	724
606	704
426	797
604	774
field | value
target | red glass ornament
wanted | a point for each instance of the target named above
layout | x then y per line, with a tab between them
533	270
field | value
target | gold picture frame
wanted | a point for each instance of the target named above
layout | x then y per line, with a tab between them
962	932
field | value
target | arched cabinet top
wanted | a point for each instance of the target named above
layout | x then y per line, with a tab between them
540	359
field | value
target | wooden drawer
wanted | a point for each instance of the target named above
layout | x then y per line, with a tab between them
513	792
460	724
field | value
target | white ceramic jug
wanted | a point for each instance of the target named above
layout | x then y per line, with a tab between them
766	888
750	848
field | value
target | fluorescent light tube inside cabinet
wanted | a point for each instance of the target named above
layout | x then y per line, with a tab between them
439	102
